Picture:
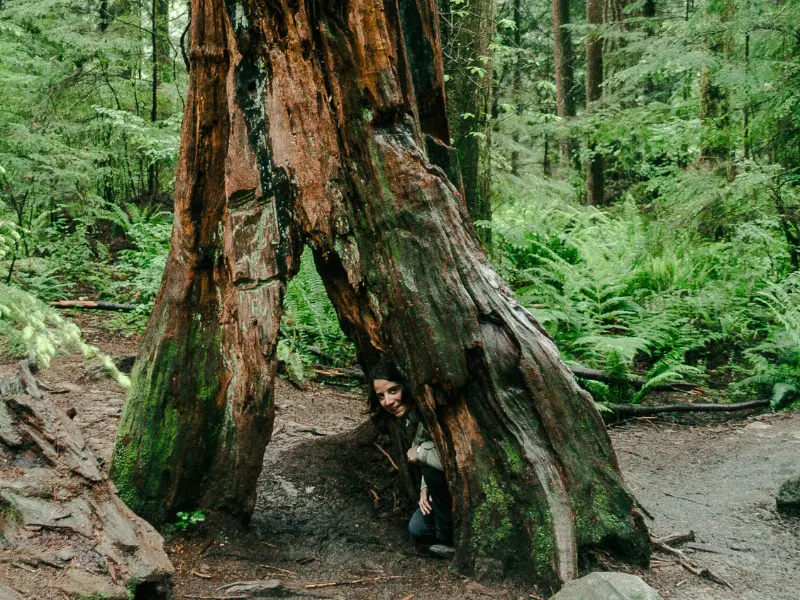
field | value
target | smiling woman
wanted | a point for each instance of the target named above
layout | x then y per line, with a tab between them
432	522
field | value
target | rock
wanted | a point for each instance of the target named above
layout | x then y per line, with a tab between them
788	500
60	514
607	586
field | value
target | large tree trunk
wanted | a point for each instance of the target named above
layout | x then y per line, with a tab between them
468	37
309	127
200	411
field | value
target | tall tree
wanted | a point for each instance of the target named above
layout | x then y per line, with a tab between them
162	71
594	92
516	82
468	34
303	125
715	95
563	57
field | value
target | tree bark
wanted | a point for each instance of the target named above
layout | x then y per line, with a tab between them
468	61
594	92
200	412
715	144
516	83
564	58
309	130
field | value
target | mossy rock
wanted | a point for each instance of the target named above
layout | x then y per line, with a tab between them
788	500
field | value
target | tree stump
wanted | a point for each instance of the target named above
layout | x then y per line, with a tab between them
63	530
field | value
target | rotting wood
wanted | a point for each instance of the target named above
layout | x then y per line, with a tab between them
83	511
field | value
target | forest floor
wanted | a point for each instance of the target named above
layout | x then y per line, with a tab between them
330	509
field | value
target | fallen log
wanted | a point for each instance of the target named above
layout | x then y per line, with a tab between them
60	516
94	305
338	373
577	371
630	410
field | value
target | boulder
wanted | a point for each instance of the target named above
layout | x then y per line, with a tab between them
607	586
788	500
63	530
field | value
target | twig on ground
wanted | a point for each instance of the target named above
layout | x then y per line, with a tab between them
687	499
645	512
313	586
386	454
216	597
704	572
288	572
202	575
675	538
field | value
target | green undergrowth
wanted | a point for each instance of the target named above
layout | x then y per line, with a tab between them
630	292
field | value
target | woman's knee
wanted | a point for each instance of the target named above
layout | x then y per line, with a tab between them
419	528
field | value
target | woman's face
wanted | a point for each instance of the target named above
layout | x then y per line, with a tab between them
390	395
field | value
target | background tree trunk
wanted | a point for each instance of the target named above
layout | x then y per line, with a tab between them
516	83
467	37
594	93
563	58
309	127
715	96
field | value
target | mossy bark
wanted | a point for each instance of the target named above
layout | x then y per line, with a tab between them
199	413
318	100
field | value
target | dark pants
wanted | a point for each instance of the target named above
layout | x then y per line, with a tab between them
436	527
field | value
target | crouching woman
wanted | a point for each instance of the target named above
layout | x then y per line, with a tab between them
432	522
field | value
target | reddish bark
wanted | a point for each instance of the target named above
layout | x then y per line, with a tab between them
306	125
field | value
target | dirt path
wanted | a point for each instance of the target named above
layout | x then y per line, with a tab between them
330	510
720	482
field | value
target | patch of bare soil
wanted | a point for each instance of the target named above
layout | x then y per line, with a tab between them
330	508
719	481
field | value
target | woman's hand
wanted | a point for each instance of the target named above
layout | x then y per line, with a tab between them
412	455
425	501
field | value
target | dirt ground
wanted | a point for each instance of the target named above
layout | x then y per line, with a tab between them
330	509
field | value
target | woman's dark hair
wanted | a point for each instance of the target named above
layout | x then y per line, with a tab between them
383	369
